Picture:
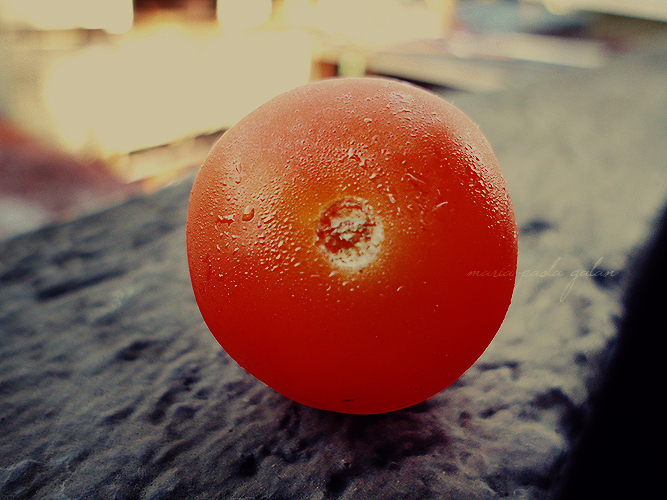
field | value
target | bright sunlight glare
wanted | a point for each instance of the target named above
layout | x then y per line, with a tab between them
156	88
114	16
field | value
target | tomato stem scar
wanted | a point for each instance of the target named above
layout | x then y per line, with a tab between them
349	233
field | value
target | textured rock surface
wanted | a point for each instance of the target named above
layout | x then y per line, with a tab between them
111	386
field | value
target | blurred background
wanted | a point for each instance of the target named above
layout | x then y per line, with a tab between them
103	99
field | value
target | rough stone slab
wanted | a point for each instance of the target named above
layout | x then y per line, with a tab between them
111	387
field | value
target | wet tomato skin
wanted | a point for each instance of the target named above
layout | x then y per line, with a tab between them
352	244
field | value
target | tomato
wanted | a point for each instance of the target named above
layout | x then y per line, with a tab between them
352	244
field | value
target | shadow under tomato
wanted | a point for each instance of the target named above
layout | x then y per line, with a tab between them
362	444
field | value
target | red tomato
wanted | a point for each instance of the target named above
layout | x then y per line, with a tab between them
352	244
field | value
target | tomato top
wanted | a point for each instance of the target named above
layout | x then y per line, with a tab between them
331	238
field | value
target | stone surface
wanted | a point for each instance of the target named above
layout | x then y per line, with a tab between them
111	387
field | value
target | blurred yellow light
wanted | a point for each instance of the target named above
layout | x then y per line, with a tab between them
240	15
375	22
115	16
160	88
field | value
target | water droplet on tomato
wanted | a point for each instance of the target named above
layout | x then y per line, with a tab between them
248	214
238	173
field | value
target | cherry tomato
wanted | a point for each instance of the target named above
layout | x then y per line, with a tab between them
352	244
